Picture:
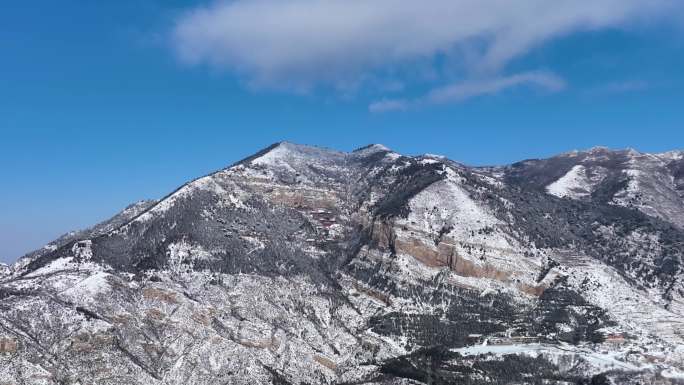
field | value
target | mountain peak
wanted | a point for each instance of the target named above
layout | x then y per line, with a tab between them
372	148
599	149
288	152
672	155
284	149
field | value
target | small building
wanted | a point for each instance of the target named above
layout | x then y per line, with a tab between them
475	338
615	339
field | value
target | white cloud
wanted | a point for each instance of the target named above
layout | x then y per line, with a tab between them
466	90
385	105
622	87
462	91
300	44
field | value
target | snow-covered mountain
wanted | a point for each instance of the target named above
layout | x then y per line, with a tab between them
308	265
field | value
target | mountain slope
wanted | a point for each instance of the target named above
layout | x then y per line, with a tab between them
308	265
651	183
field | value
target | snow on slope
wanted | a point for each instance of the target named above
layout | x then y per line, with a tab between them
575	184
206	183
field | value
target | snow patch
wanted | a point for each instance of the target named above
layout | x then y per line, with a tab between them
673	374
575	184
206	183
670	155
604	361
235	201
89	287
59	264
428	161
183	255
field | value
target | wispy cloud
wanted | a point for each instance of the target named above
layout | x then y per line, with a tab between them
468	89
462	91
302	44
385	105
622	87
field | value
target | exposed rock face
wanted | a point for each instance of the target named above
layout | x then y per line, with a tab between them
307	265
8	345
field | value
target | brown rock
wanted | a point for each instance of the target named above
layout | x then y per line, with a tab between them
8	345
152	293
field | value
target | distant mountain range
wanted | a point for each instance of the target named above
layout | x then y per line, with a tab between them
305	265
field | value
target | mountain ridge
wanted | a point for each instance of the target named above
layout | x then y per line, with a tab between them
302	264
673	155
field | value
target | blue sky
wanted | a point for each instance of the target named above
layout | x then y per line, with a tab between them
106	103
